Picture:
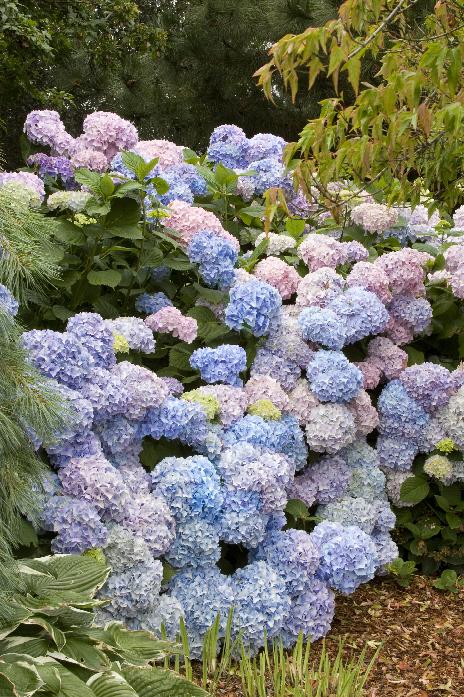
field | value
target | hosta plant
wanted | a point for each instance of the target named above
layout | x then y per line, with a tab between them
50	646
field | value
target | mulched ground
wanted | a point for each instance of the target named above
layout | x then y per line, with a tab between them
421	631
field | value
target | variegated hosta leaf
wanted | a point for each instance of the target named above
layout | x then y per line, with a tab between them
148	682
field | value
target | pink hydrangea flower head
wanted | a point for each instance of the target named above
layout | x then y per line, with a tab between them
374	217
388	357
302	401
168	153
457	282
371	277
90	159
404	270
187	220
170	320
319	288
279	274
320	250
398	332
454	257
108	133
371	373
233	401
364	413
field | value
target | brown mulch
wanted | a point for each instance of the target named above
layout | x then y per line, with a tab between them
421	631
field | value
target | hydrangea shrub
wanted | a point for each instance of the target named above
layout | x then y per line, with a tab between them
236	377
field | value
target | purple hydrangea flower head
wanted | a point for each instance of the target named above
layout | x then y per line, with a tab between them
77	523
59	355
415	313
108	133
324	481
396	452
190	175
311	613
333	378
149	517
46	128
221	364
107	393
90	328
283	371
56	167
146	390
94	479
429	384
138	335
400	415
319	288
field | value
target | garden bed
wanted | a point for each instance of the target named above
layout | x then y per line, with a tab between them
422	630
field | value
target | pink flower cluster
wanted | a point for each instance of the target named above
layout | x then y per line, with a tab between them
187	220
279	274
168	153
374	217
384	360
170	320
318	251
46	128
454	258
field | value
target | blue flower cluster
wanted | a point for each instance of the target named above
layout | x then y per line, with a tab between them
216	258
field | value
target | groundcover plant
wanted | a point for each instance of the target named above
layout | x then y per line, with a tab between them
229	365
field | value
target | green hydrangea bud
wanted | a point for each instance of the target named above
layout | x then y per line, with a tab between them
208	402
438	466
120	343
446	445
264	408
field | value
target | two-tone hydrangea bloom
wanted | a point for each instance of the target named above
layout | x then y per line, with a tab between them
25	180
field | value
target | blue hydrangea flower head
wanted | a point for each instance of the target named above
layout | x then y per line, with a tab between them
190	486
8	302
322	326
348	556
77	523
149	303
361	313
293	555
333	378
222	364
255	305
215	257
311	613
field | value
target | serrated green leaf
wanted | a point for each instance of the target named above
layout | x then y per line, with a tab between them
179	357
215	297
160	184
89	179
107	186
178	262
128	232
110	277
454	521
66	232
124	211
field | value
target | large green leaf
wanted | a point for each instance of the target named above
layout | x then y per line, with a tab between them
135	647
110	277
71	573
56	634
82	650
124	211
110	685
148	682
32	646
414	489
22	674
